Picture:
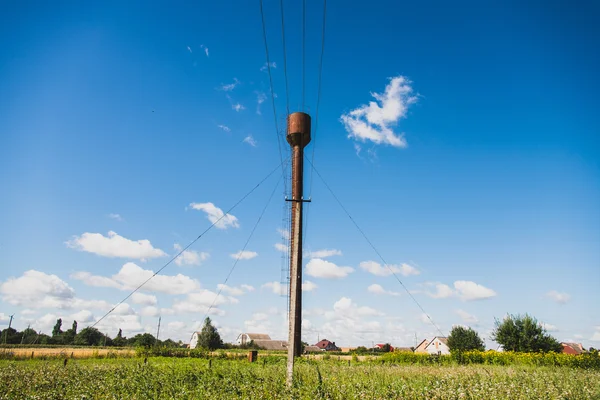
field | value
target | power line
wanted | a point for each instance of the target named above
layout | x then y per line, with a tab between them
314	140
375	249
188	246
243	249
287	91
303	50
264	29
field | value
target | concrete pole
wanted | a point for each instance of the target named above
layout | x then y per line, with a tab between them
298	136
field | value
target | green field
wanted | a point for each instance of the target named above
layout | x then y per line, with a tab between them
166	378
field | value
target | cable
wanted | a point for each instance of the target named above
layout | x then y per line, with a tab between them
264	29
314	140
303	50
375	249
243	249
314	145
287	91
187	247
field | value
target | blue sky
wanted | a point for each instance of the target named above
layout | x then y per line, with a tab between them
475	171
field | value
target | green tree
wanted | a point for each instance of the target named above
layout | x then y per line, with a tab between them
143	340
68	337
119	340
386	348
56	330
524	334
11	336
28	336
209	337
464	339
89	337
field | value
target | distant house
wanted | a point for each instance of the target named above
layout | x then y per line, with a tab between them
438	345
421	347
262	340
381	345
244	338
572	348
326	345
311	349
194	341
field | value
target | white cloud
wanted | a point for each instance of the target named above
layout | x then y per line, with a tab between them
466	317
442	291
215	215
345	308
114	245
189	49
265	66
324	269
281	247
239	107
244	255
199	302
377	269
468	290
150	311
130	276
596	336
189	257
276	287
234	291
378	289
94	280
250	140
285	234
36	289
374	122
224	127
465	290
260	98
82	316
144	299
203	47
247	288
308	286
549	327
115	217
561	298
323	253
229	87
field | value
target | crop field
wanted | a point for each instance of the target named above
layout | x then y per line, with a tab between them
189	378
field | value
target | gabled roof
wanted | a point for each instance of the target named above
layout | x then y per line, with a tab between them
441	339
424	341
324	343
577	347
272	344
256	336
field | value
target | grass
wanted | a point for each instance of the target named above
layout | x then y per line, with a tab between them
167	378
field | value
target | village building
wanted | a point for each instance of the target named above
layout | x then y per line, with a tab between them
572	348
438	345
326	345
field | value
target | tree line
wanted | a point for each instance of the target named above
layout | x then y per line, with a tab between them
517	333
85	337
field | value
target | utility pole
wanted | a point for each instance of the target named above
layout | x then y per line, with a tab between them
298	136
158	330
7	329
